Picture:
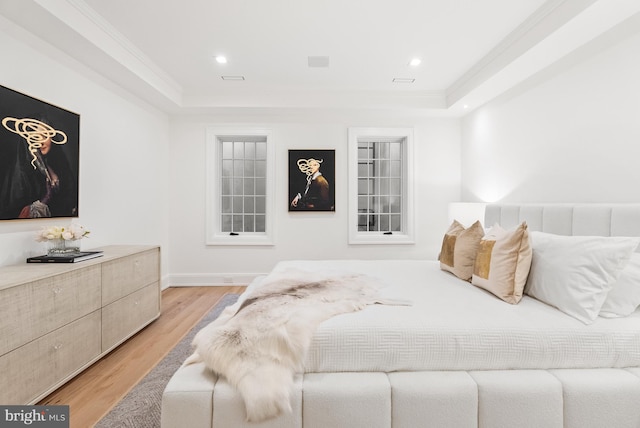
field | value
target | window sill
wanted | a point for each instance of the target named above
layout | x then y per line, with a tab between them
239	240
381	239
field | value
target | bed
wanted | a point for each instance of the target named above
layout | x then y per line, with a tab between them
458	356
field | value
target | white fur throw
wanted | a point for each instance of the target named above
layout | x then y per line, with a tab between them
259	343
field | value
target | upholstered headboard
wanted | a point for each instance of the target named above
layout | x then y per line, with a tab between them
568	219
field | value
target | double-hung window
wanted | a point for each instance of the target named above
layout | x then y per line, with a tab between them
380	186
239	183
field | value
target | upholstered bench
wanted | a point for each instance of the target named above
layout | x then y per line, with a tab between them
582	398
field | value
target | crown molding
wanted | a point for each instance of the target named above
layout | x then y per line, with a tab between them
546	20
80	17
554	32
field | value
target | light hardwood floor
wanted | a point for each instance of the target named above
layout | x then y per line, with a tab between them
91	394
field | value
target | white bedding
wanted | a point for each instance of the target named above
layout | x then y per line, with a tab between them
453	325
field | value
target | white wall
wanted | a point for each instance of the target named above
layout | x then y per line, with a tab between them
142	175
304	235
123	151
570	135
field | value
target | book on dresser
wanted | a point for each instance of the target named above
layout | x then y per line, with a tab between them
66	258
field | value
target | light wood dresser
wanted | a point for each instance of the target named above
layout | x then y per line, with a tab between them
56	319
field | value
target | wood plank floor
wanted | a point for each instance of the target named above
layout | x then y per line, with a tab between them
91	394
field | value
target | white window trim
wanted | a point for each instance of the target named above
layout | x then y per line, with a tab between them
214	235
407	235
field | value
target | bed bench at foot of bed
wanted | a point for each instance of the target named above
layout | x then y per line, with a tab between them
580	398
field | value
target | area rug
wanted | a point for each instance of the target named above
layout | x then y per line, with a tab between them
140	408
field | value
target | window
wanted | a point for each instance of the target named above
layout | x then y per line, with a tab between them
239	182
380	186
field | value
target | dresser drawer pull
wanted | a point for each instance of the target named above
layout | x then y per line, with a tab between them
57	346
57	290
136	303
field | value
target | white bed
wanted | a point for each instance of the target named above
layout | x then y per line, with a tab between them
457	357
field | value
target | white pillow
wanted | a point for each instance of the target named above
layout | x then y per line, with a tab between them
575	273
624	297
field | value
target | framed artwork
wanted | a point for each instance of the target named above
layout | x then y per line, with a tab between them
312	180
39	158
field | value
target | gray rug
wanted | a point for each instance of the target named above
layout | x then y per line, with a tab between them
140	408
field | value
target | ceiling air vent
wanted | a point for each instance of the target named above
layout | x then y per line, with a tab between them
318	61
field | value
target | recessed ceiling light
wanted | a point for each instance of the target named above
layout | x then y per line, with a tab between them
403	80
221	59
466	106
232	77
415	62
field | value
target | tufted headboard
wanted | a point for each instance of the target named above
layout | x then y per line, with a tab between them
568	219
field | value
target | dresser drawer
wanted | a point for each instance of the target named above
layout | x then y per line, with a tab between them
33	369
128	274
36	308
124	317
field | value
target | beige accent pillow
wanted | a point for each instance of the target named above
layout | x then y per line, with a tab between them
503	262
459	248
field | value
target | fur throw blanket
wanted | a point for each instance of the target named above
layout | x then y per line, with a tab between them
259	343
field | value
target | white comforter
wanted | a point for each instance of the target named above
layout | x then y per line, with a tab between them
453	325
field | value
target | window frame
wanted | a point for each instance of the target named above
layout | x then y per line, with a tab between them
406	235
213	199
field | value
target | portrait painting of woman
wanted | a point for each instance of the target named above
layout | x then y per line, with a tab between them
39	159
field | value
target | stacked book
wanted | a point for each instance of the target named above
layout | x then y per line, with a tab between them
66	258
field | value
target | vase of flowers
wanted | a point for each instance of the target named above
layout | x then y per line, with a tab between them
62	240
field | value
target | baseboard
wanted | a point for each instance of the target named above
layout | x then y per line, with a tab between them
164	282
211	280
